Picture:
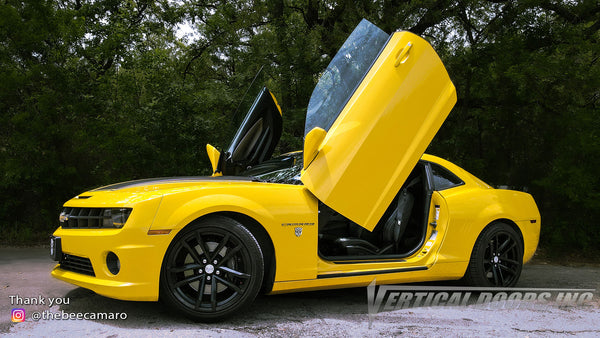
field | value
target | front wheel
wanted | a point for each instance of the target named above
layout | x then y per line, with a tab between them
212	269
497	257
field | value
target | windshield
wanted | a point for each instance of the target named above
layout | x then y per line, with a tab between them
281	169
343	75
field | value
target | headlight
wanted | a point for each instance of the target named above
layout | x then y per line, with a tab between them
115	218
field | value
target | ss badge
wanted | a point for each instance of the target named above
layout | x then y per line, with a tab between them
298	231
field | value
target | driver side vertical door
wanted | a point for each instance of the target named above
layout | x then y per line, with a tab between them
381	131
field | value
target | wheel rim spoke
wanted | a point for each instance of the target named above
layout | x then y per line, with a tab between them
236	273
188	280
512	261
220	247
496	244
213	294
200	293
508	269
192	252
495	275
504	244
202	244
177	269
229	255
501	276
512	245
229	284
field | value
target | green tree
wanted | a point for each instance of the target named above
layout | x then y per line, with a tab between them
95	92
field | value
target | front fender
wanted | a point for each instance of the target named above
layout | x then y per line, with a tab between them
278	208
175	213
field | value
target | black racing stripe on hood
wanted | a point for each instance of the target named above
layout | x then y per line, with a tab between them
150	181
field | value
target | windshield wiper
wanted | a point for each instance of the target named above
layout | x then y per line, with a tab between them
256	179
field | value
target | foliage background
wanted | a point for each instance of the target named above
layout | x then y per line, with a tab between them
94	92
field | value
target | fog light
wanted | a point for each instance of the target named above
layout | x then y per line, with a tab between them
113	263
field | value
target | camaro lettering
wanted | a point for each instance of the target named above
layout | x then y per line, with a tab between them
296	224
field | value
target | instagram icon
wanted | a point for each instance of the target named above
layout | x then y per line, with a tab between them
17	315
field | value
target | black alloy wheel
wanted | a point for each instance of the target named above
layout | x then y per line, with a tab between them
497	258
212	269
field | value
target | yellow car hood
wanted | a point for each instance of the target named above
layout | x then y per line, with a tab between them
131	192
152	184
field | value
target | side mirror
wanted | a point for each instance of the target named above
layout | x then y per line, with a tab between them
213	156
312	143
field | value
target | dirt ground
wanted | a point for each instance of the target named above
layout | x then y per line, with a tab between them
25	272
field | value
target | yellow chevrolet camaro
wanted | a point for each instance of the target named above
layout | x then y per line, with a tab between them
360	202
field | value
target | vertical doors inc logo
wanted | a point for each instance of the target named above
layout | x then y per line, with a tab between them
17	315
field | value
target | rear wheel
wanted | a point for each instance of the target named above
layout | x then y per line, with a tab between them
212	269
497	257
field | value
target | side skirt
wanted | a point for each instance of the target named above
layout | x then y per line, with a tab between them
371	272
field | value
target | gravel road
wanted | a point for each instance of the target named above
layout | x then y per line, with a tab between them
25	272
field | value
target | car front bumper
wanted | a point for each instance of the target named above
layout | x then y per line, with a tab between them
140	256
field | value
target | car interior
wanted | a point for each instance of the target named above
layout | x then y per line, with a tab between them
399	233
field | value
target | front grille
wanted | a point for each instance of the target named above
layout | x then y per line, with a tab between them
77	264
93	218
82	217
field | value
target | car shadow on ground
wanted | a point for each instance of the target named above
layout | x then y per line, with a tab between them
266	312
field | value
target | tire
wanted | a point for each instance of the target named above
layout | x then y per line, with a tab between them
228	285
497	257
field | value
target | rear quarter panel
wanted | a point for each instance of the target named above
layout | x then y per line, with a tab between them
472	208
